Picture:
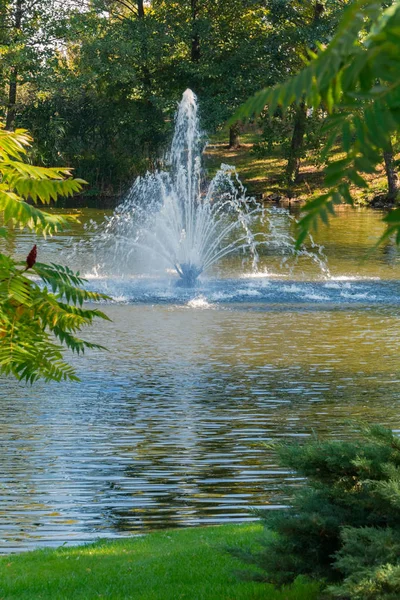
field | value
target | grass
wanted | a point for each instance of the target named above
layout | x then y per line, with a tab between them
187	564
265	176
260	175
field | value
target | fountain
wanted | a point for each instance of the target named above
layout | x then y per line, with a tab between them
172	217
173	221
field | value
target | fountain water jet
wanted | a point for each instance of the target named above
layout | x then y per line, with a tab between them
173	220
170	216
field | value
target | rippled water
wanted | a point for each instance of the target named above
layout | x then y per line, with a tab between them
167	428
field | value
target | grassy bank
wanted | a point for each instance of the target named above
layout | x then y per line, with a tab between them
168	565
265	176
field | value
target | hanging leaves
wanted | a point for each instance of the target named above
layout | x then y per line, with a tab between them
356	79
39	318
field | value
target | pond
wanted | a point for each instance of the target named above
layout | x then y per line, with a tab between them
168	427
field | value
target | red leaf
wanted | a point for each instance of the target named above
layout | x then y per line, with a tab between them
31	258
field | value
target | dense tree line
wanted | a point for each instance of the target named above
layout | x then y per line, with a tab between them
97	81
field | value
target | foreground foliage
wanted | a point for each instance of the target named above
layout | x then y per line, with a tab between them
356	80
344	526
39	317
185	563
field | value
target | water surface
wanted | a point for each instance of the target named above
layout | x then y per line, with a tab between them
167	428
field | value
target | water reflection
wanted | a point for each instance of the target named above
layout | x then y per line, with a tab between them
167	428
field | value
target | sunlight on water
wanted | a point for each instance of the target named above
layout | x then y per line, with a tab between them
167	428
199	302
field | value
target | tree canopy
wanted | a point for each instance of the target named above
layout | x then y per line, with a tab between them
355	78
97	82
99	90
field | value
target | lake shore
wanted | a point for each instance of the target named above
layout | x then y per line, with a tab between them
263	178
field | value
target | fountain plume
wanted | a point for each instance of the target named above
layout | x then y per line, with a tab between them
171	216
173	220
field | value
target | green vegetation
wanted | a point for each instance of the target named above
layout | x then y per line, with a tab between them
186	563
263	173
37	322
344	525
97	81
102	97
356	81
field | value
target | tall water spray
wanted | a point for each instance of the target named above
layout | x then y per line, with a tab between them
170	216
172	220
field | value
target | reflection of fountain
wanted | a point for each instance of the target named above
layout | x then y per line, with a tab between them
170	220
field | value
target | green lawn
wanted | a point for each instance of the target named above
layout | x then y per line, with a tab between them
168	565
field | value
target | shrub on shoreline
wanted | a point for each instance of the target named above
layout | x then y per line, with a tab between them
343	527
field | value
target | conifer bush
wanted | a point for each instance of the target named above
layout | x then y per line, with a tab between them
343	524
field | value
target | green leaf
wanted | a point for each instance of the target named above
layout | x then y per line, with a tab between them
393	217
356	178
38	325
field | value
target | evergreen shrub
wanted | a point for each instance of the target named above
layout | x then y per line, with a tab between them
343	525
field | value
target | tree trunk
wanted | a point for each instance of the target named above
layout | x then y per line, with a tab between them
300	119
296	146
12	99
195	49
393	185
140	8
234	140
146	77
12	91
319	10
